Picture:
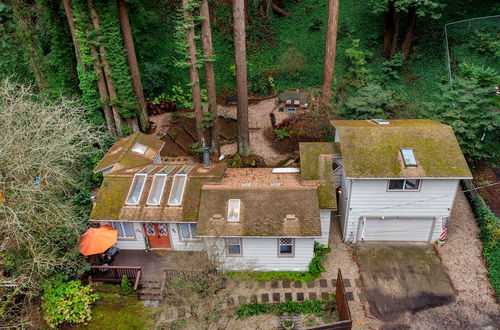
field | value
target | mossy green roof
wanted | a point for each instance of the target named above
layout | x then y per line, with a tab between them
121	152
370	150
309	157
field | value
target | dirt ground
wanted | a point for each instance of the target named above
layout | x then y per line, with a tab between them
475	306
259	120
485	175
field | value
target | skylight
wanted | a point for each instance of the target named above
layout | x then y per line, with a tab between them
148	169
380	121
159	180
140	148
408	157
233	210
135	192
186	169
177	191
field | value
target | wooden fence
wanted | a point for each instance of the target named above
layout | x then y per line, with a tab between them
345	321
114	274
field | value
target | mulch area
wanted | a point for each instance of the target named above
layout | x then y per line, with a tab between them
485	175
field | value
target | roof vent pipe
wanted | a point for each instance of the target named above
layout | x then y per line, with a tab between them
206	157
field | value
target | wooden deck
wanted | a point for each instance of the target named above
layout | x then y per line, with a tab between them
153	262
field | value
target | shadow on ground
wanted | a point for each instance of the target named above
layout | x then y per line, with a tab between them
402	278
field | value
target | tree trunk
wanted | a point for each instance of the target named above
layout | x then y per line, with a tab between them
101	84
193	72
128	42
395	36
330	50
206	40
28	40
388	29
241	77
409	32
113	96
279	10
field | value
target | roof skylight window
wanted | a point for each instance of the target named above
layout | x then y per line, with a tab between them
186	169
233	210
177	191
159	180
408	157
148	169
140	148
135	192
380	121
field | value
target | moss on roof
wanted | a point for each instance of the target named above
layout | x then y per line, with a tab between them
111	198
309	157
326	190
121	151
373	151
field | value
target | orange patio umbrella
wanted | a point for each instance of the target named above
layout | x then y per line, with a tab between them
97	240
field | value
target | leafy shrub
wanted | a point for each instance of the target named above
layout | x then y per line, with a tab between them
67	302
125	286
370	101
392	68
292	60
485	76
485	43
357	60
285	308
489	226
180	96
281	133
316	264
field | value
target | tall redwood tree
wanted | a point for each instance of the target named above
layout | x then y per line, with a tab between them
330	51
241	77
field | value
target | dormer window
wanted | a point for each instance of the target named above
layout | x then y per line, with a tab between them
140	148
408	157
233	210
134	195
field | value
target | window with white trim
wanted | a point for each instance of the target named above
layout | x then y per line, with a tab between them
139	148
125	229
159	180
285	247
336	165
404	185
187	231
233	246
177	190
134	195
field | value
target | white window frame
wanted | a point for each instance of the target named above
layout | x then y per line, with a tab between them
191	236
286	255
182	192
229	254
115	224
237	206
140	148
140	192
404	185
336	160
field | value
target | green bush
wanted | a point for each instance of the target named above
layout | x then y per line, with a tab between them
285	308
316	264
67	302
489	226
125	286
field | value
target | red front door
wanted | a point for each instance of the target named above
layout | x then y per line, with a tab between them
157	234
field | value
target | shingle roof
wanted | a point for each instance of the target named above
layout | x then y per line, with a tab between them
262	211
110	202
316	164
370	150
122	155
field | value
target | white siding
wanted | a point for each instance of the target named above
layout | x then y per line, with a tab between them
262	254
325	216
177	244
131	244
370	198
343	202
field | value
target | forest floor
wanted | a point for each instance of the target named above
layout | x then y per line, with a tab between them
485	175
259	120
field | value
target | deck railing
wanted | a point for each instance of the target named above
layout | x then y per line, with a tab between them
114	274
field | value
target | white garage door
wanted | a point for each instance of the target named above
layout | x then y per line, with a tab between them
395	229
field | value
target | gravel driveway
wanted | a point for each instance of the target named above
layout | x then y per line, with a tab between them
474	306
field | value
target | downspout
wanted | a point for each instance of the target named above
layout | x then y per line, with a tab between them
348	206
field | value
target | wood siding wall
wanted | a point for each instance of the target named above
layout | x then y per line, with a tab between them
177	244
262	254
325	216
370	198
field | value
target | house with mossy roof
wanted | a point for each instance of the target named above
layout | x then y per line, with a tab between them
254	218
394	180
